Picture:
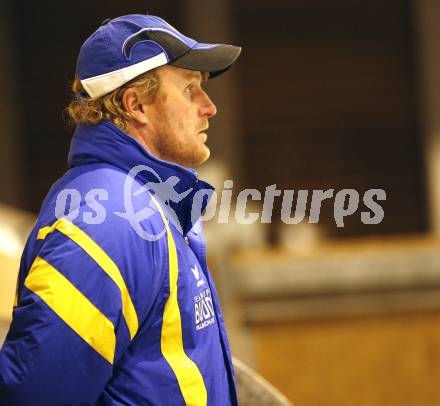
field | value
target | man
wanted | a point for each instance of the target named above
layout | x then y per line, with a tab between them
115	304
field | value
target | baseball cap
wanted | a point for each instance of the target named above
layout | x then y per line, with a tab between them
125	47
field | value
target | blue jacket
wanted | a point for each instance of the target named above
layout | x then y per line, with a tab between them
115	304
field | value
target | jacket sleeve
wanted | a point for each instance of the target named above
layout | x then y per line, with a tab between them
74	319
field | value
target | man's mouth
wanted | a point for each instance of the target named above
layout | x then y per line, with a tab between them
203	135
204	129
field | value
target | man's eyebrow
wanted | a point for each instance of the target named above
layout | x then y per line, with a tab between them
203	76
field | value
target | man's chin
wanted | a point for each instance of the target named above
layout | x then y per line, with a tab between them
204	155
190	158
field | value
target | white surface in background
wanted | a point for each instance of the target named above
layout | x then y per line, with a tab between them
15	226
10	242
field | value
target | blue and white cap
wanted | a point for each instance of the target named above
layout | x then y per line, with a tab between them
125	47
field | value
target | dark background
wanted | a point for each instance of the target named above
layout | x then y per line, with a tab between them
328	97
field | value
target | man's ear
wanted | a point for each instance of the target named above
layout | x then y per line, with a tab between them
132	104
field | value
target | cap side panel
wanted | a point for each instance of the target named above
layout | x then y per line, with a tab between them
100	85
151	46
95	56
189	42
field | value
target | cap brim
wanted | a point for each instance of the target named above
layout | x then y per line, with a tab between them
215	60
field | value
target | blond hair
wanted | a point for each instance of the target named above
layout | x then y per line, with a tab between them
85	110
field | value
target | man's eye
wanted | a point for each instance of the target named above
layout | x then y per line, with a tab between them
189	89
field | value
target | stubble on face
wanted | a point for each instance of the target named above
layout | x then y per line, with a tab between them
176	136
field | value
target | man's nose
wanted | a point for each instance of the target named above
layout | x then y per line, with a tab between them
207	107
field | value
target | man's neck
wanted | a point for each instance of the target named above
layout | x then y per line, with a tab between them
140	135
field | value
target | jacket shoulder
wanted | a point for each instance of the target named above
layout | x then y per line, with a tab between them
97	208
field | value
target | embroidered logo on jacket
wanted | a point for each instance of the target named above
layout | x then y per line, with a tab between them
204	309
196	273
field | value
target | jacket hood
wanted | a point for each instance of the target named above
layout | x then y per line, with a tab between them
176	186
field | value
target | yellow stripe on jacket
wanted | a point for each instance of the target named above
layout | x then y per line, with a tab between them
72	307
187	373
77	235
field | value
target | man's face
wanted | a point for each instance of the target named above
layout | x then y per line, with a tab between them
177	120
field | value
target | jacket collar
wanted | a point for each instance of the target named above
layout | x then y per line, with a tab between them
105	142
